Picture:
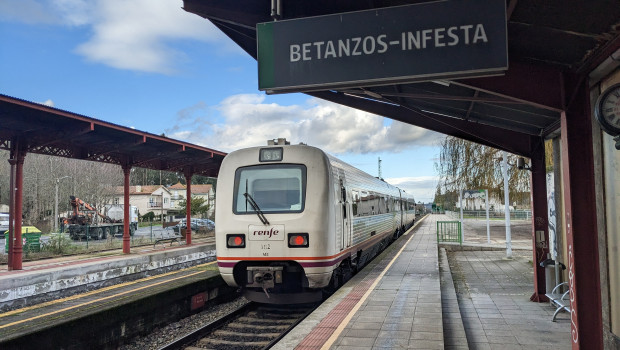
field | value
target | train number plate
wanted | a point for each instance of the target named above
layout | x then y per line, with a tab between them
266	233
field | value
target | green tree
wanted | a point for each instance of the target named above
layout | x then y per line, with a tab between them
199	206
150	216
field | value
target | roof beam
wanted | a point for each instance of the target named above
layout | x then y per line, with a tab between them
530	84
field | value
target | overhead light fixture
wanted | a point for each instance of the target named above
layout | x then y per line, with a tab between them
441	82
372	94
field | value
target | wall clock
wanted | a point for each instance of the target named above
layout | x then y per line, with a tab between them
607	111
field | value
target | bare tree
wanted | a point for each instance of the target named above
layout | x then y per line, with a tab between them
468	165
4	177
91	181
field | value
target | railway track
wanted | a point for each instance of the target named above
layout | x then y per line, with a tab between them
250	327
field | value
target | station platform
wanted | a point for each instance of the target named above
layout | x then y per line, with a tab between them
407	299
104	297
49	279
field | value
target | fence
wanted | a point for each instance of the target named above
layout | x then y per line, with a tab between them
449	231
482	215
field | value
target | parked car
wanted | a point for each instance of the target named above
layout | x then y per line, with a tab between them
209	224
177	228
4	223
197	224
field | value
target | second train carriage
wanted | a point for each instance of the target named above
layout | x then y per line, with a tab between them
293	220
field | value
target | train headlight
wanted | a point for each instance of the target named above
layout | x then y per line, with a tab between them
298	240
235	241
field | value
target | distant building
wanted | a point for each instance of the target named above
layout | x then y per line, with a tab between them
496	202
179	191
156	198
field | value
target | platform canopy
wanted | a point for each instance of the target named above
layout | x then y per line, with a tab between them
552	47
40	129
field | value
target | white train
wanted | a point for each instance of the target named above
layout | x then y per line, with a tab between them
293	221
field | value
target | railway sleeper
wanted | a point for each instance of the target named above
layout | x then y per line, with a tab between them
248	320
236	335
259	328
228	344
281	311
276	315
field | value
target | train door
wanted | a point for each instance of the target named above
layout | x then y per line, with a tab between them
401	209
346	217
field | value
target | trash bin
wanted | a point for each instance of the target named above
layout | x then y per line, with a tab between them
551	280
32	241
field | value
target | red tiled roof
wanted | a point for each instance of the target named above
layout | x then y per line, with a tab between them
196	189
144	190
177	186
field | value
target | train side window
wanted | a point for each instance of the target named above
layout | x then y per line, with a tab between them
355	199
374	203
365	204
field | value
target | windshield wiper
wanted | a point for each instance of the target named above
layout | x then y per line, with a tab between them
259	212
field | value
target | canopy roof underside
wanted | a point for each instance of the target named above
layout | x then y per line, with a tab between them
549	44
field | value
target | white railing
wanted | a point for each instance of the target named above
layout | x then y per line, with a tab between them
521	214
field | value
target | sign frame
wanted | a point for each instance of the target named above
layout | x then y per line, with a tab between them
444	39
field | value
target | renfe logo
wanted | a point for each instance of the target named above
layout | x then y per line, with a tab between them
266	233
271	232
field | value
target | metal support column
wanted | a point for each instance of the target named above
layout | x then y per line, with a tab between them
580	220
17	161
188	207
540	226
126	208
12	162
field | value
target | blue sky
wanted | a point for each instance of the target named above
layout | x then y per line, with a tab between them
150	65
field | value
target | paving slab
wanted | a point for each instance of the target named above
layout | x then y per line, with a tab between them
493	297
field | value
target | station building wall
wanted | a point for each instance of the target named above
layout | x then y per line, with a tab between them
607	182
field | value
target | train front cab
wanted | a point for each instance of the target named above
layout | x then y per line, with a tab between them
274	243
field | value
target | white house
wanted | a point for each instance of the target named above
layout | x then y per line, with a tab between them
179	191
155	198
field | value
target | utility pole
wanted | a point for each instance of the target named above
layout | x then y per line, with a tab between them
56	203
379	165
507	205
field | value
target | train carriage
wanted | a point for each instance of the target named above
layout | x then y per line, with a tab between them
293	221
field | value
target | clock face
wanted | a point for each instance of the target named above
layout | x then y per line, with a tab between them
607	110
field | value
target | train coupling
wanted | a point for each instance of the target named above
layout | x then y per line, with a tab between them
264	277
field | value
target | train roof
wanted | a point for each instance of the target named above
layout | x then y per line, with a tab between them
333	161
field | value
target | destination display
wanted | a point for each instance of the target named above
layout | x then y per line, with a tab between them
439	40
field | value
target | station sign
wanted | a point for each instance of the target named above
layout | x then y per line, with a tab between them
420	42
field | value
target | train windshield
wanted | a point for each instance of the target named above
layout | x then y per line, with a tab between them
276	188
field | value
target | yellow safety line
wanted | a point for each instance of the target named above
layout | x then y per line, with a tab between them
350	315
96	300
100	290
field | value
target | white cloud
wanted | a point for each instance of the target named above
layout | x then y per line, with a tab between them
423	187
247	120
133	34
27	11
48	103
74	12
126	34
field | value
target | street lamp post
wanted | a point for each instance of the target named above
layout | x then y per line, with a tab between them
56	203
